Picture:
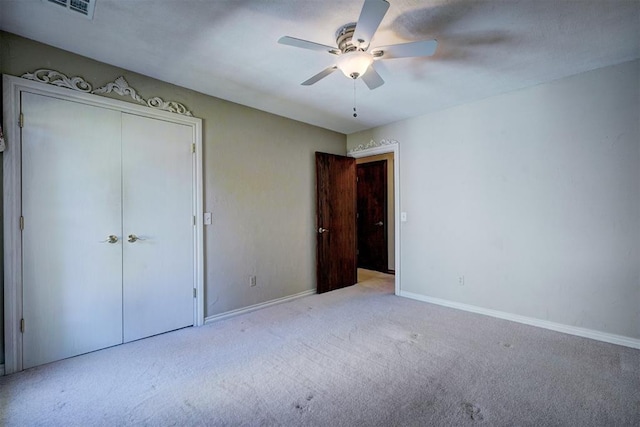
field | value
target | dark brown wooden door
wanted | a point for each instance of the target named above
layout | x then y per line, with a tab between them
336	221
372	215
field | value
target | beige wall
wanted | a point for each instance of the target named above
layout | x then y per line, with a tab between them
259	181
391	229
533	196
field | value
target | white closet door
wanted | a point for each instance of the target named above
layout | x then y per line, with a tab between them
71	203
158	275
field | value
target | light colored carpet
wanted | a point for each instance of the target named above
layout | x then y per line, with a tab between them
357	356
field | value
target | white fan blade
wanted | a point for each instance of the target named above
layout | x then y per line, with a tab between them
305	44
406	50
371	78
372	13
321	75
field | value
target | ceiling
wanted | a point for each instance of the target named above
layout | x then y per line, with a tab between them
228	49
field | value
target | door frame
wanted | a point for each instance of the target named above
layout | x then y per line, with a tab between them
374	148
12	200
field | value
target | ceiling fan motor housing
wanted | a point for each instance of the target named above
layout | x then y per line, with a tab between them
344	38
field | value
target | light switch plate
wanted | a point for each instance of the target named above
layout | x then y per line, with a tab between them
207	218
403	216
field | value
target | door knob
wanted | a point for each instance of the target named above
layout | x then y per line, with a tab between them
379	223
322	230
111	239
133	238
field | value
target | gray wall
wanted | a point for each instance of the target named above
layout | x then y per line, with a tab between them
533	196
258	181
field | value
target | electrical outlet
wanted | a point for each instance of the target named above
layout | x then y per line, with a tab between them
461	280
252	281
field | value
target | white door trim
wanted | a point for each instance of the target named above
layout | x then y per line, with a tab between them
374	148
12	89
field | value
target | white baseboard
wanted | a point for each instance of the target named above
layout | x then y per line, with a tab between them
255	307
558	327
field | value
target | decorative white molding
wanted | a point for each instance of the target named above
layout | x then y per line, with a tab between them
553	326
173	106
122	88
373	144
255	307
56	78
119	86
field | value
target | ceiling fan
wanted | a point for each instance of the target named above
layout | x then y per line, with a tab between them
353	40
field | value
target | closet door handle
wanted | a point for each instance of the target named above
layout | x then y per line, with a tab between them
133	238
111	239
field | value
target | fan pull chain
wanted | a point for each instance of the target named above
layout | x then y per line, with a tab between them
355	113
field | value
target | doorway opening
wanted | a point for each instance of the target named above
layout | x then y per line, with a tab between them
382	258
336	222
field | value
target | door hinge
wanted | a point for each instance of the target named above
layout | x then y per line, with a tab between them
193	148
22	326
21	223
195	292
21	121
194	220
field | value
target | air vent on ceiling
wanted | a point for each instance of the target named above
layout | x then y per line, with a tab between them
83	7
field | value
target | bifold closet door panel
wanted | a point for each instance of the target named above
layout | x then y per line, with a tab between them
158	259
71	203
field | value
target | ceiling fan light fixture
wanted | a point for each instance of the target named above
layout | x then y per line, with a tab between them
354	58
354	64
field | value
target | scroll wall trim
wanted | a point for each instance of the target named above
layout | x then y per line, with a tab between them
373	144
119	86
